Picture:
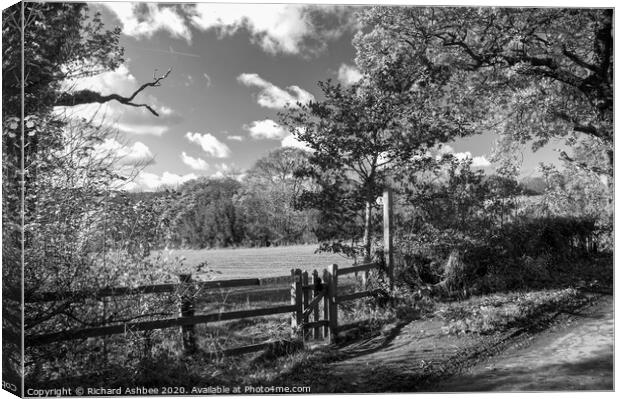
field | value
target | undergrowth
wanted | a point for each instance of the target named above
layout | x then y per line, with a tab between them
499	312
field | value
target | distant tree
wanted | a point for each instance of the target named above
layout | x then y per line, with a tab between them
280	167
204	215
534	185
267	200
538	72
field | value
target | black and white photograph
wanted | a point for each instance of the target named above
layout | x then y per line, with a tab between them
300	198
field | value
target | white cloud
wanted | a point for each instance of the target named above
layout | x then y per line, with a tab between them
154	130
480	161
194	163
150	181
291	141
223	170
145	19
119	81
445	149
276	28
477	161
210	144
266	129
137	153
189	80
235	138
272	96
165	110
348	75
207	79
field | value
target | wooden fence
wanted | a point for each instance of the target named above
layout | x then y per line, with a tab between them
313	307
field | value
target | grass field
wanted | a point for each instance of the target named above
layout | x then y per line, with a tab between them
259	262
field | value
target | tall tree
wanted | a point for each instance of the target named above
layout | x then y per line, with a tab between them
544	72
358	134
54	42
61	42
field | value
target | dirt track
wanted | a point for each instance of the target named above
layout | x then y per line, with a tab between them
577	356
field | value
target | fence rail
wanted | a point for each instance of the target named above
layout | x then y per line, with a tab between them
150	289
153	325
306	299
358	268
356	295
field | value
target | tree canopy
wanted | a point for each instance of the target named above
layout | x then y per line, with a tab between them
544	72
63	42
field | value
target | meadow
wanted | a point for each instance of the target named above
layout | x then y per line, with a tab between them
232	263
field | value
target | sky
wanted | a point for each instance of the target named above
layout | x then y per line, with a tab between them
233	68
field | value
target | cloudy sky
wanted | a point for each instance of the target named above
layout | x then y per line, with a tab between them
234	66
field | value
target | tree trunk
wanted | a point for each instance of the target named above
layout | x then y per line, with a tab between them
367	234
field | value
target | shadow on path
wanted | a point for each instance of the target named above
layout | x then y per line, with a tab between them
577	356
595	373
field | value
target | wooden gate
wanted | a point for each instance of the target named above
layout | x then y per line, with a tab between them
309	296
315	301
315	298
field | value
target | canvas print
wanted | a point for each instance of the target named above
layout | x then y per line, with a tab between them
227	198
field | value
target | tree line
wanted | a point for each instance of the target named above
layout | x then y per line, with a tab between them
258	210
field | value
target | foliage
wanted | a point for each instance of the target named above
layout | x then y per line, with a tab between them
575	191
64	41
266	200
544	72
451	206
204	215
459	231
534	185
83	234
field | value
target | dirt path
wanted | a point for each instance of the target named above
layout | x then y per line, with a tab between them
576	353
578	356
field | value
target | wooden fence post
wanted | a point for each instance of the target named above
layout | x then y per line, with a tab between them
315	314
297	301
188	333
332	291
307	291
326	303
387	235
365	276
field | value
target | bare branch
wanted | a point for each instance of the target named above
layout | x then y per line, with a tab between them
88	96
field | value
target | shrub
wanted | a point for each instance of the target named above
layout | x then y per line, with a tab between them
527	252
